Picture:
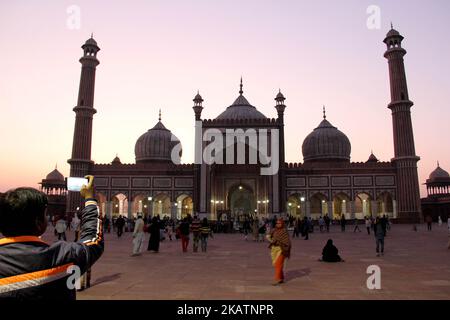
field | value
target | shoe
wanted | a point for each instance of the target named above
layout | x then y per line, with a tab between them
276	283
378	254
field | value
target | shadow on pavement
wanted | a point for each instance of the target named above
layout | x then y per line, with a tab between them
111	277
294	274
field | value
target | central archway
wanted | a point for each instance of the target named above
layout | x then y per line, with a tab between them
241	201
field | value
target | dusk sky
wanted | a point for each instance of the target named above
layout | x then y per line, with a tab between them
157	54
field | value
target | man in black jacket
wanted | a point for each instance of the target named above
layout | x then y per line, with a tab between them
31	269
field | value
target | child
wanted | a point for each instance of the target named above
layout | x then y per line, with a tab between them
169	232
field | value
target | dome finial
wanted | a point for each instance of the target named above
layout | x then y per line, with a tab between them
438	163
241	85
324	113
392	26
159	118
92	35
56	166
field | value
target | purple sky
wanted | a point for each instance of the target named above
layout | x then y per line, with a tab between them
156	54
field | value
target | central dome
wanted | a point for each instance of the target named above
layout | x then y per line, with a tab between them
155	145
241	109
326	143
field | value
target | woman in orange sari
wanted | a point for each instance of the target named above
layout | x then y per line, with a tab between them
280	249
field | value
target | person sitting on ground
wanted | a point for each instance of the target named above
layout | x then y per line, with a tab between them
330	253
31	269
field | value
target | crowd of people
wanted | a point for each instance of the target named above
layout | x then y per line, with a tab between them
274	230
23	221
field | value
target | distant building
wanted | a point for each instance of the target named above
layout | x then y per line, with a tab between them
325	183
54	186
437	202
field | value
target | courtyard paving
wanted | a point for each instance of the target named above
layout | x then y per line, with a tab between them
416	265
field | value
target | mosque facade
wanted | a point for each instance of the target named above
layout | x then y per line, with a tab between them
326	182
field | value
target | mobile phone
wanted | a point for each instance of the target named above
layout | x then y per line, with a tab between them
75	184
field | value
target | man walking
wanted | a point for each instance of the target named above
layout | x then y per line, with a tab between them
195	229
356	226
205	232
327	222
343	223
184	234
306	227
120	223
138	235
379	236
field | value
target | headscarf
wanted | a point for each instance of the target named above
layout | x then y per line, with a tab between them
280	237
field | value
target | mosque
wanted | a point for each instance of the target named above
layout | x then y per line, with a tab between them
326	182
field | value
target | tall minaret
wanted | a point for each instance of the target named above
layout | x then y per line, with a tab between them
280	107
198	107
80	161
405	159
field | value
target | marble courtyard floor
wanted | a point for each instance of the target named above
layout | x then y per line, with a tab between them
416	265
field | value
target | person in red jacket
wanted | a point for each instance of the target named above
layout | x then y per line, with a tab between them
31	269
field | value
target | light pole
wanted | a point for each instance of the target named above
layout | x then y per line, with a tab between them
150	206
303	207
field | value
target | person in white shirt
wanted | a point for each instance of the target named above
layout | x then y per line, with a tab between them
60	228
138	236
75	225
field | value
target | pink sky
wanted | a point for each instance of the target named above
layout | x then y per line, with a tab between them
156	54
